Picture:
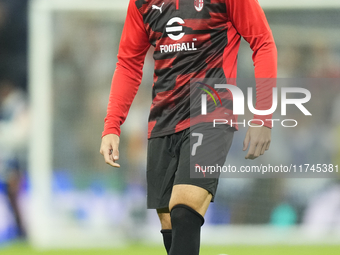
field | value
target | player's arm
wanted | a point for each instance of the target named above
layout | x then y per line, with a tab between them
127	77
249	20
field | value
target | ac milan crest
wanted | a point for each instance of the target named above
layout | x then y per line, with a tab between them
199	5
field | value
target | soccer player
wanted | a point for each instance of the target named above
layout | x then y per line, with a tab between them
192	39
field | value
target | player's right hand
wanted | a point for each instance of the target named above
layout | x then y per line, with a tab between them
109	149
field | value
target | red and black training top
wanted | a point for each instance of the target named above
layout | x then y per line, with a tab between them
192	39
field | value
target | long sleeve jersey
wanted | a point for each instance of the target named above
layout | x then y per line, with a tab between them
191	39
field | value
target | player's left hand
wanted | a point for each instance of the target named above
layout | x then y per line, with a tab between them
259	139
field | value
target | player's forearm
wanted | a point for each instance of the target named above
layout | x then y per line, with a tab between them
123	90
265	62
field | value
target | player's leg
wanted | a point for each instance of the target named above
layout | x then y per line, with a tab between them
13	183
161	168
196	198
164	217
191	197
188	205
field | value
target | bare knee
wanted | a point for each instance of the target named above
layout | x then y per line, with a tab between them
195	197
164	217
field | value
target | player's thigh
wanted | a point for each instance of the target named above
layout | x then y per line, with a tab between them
196	197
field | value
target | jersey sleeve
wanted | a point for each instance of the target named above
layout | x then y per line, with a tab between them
127	77
250	22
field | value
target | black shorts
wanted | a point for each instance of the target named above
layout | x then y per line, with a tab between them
168	161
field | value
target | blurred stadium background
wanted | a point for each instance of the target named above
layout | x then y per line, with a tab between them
57	58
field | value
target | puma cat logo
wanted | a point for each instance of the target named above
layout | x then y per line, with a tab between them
155	7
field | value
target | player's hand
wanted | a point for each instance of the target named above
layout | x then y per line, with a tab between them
259	139
109	149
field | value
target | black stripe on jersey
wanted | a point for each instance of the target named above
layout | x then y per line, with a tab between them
139	3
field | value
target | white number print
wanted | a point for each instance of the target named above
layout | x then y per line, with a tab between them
196	145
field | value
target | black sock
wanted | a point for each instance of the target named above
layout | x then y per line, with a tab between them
186	230
167	238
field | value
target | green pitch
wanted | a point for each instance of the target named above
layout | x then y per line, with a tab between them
212	250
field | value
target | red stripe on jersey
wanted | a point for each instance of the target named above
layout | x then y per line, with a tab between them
151	125
162	97
219	17
182	125
217	1
182	79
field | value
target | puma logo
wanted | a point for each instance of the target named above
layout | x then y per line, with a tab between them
155	7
